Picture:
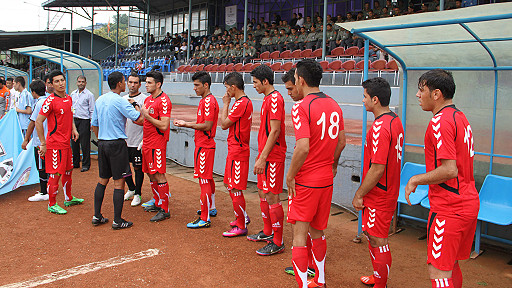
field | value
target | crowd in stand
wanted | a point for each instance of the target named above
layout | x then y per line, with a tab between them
227	46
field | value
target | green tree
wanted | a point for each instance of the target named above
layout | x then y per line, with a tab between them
123	30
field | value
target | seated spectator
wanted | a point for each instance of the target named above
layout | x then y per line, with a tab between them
360	16
312	38
349	17
140	65
291	40
308	23
250	41
258	33
250	53
300	21
384	12
341	37
217	31
301	39
182	52
281	40
265	43
293	21
397	12
376	8
330	42
217	54
151	39
274	40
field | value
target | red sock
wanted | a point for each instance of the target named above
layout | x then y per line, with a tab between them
277	217
300	265
154	188
53	188
66	185
163	194
265	214
309	244
442	283
381	265
319	250
457	276
239	207
206	198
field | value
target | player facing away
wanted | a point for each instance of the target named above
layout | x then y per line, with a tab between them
239	121
61	129
320	138
454	201
204	139
269	166
157	113
134	133
289	83
378	192
109	125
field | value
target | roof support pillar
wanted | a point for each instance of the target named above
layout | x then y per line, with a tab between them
189	27
324	32
245	25
147	35
30	71
441	5
92	33
71	34
117	36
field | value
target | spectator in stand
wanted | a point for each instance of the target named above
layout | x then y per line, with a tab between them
432	5
151	39
311	39
281	41
239	53
458	4
182	52
341	37
371	15
194	59
301	39
354	41
360	16
251	41
223	53
339	19
140	65
217	31
376	8
468	3
167	38
250	51
330	42
300	21
211	55
293	21
217	54
231	54
277	18
265	43
366	10
410	10
396	11
274	39
4	97
349	17
258	33
308	23
389	5
285	26
291	40
384	12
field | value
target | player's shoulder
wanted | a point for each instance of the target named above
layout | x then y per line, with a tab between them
276	94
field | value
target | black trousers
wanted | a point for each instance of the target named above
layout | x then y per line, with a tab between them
84	131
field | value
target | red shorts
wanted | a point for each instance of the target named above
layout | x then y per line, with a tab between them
311	205
272	179
376	222
153	160
450	238
203	162
58	160
236	173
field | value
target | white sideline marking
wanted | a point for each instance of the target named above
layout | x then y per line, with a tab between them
83	269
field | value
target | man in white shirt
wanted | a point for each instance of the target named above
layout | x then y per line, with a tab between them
300	20
134	133
13	94
83	107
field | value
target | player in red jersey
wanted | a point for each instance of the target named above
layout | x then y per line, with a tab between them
269	165
239	121
61	129
204	139
157	121
378	192
453	197
318	123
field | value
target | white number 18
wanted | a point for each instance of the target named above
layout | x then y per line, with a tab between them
334	119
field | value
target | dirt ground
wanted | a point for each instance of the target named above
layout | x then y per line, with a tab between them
35	243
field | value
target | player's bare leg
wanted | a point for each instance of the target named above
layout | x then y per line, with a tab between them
381	261
449	279
161	188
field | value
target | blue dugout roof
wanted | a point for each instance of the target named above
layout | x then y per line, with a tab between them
11	72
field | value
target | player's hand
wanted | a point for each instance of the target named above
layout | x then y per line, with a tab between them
179	123
226	99
291	187
74	135
410	188
144	111
42	150
357	202
24	145
259	166
130	100
334	170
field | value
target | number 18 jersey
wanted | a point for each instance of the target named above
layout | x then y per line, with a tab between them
319	118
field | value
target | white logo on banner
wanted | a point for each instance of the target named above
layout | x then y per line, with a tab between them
231	15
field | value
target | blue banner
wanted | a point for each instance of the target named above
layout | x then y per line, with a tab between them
17	166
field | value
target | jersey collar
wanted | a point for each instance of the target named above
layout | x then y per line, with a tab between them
387	113
447	106
133	95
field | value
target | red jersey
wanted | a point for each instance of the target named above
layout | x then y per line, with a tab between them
319	118
240	131
272	108
59	116
158	107
384	142
208	110
449	136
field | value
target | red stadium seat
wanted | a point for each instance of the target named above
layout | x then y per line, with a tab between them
378	65
229	67
360	65
296	54
268	64
336	52
349	65
286	54
255	65
351	51
325	65
317	53
306	53
221	68
287	66
247	67
238	67
274	55
276	66
335	65
200	67
213	67
265	55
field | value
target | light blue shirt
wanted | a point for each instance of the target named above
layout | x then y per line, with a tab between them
110	113
33	117
25	100
83	104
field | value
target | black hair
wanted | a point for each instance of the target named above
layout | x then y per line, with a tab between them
2	80
46	77
114	78
235	78
263	72
311	71
202	77
158	76
20	80
438	79
289	76
54	74
133	74
378	87
9	79
38	86
81	76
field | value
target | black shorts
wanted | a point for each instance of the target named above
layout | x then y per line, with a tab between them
135	156
113	159
39	161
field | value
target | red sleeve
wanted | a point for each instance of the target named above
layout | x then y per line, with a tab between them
46	109
380	144
165	107
209	108
237	111
276	107
300	122
342	122
444	135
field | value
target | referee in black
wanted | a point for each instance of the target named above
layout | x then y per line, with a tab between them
108	123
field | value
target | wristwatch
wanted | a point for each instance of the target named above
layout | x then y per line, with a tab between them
134	104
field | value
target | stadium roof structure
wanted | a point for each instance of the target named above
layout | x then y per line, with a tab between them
11	72
155	6
67	60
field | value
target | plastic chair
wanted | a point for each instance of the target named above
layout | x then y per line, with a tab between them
296	54
306	53
351	52
317	53
274	56
335	66
238	67
287	66
325	65
229	67
409	170
265	55
276	66
336	52
286	55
